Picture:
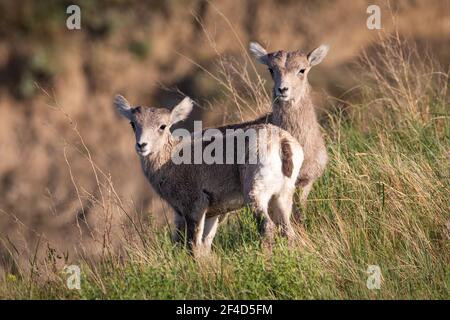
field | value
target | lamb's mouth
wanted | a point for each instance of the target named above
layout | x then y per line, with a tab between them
283	97
143	153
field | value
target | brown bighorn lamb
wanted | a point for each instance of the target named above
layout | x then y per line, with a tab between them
200	193
292	107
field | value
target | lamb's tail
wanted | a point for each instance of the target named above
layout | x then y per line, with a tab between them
287	164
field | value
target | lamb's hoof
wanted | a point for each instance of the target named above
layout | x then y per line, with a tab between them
267	246
267	242
178	238
297	216
200	252
291	237
292	242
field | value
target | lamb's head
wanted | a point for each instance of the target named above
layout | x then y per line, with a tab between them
289	69
151	126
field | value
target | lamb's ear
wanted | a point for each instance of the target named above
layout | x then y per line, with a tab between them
181	110
123	106
259	52
316	56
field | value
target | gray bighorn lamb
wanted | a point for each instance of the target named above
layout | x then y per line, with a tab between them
200	193
293	109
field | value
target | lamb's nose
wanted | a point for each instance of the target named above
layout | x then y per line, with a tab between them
282	90
141	145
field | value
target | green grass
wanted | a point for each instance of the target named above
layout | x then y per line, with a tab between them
384	200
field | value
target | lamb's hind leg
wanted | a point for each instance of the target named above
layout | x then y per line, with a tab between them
259	206
281	206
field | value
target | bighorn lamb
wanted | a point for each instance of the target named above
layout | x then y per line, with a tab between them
293	109
200	193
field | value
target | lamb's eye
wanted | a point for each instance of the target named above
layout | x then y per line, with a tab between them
162	127
271	71
133	126
302	71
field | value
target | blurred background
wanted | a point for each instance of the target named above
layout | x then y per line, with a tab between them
63	149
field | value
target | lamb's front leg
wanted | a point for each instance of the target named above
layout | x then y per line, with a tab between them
209	232
305	192
195	223
300	199
179	233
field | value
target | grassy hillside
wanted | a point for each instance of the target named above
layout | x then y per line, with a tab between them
384	200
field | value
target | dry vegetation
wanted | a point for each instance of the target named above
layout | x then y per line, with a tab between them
71	190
